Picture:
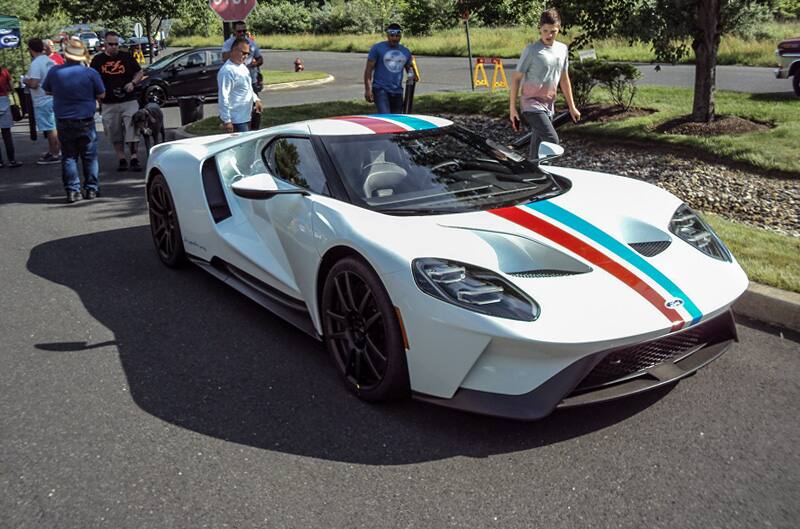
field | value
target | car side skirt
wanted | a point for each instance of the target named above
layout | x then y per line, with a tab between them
290	309
560	390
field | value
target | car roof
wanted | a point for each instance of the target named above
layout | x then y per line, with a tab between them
374	124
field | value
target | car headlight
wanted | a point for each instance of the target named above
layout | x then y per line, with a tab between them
473	288
688	226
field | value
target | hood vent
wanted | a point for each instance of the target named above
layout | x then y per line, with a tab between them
533	274
651	248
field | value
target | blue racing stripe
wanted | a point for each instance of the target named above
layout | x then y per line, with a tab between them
621	250
410	121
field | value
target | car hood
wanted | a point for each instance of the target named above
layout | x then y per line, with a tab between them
584	255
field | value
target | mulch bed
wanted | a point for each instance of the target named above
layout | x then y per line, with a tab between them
606	113
721	125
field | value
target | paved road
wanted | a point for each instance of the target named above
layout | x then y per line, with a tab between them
452	74
138	397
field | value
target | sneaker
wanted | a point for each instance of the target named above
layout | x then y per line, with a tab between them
14	164
73	196
135	165
48	158
123	165
89	194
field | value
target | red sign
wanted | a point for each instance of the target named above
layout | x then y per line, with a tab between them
232	10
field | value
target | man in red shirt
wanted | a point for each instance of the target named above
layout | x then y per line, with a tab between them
51	53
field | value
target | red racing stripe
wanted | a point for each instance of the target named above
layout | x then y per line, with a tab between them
591	254
378	126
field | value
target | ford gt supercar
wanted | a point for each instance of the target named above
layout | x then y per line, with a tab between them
437	263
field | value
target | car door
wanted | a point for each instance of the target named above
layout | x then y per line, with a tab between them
187	74
272	240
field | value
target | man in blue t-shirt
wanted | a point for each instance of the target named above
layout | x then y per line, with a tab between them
387	60
75	89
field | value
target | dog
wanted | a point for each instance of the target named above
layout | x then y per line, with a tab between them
149	122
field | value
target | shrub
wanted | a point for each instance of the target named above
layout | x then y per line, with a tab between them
581	74
354	16
619	79
281	16
420	17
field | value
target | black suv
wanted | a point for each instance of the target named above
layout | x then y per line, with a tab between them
183	73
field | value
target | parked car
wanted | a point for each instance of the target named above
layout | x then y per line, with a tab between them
788	54
183	73
143	43
90	40
436	263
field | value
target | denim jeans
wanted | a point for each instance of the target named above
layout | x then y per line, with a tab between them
78	140
386	102
241	127
542	128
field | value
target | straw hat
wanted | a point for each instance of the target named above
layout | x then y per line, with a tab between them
75	50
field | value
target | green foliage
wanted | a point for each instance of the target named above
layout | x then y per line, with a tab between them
504	12
619	79
581	74
281	16
787	9
354	16
420	17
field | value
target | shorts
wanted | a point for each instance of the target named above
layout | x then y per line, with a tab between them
118	121
43	112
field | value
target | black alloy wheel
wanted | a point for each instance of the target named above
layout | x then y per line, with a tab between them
156	94
164	223
362	333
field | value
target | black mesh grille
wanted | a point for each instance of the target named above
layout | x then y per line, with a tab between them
625	362
649	249
543	273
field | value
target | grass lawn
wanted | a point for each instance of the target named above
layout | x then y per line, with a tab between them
508	42
277	77
767	257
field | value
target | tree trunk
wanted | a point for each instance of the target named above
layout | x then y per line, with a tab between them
705	45
148	25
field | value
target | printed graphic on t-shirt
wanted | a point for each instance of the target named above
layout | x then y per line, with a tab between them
394	60
113	68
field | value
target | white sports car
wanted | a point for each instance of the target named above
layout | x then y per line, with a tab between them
437	263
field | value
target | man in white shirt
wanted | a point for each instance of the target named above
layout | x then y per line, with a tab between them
254	60
42	103
236	96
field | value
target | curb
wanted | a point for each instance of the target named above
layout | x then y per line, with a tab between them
299	84
770	305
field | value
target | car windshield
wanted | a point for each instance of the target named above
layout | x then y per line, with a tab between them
444	170
88	35
164	61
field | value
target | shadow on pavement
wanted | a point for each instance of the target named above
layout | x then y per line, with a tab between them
776	96
199	355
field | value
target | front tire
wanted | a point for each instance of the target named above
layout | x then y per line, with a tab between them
156	94
164	225
362	333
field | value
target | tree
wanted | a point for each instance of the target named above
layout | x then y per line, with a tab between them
150	12
666	25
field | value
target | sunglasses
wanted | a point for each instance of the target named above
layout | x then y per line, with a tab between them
112	43
394	32
241	30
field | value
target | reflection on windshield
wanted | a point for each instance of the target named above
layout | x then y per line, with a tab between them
163	61
442	170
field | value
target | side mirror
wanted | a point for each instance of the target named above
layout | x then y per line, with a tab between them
262	187
548	151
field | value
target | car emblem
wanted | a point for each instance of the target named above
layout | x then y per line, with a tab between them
674	304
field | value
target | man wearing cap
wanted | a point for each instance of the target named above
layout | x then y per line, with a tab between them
383	75
75	89
42	103
254	60
120	73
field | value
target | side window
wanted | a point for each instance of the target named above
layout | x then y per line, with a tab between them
240	161
294	160
214	57
192	60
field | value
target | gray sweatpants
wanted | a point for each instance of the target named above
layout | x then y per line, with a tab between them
542	129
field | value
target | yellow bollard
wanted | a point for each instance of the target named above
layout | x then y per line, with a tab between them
498	69
480	78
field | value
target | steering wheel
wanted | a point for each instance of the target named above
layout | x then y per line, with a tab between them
383	175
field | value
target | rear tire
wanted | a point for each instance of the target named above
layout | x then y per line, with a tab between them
362	333
796	83
164	226
156	94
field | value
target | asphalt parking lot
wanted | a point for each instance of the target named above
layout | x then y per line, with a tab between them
136	396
